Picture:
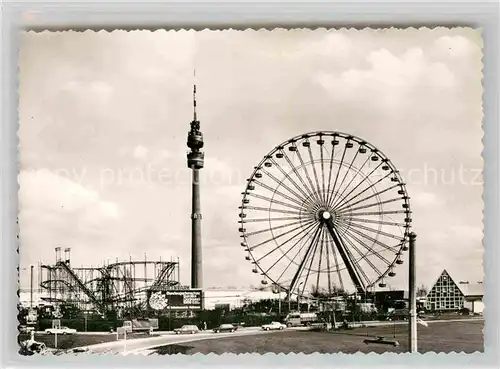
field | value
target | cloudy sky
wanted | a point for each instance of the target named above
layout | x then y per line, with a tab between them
104	119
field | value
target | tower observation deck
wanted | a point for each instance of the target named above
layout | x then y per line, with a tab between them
195	161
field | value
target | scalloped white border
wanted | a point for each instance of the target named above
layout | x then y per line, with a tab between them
484	15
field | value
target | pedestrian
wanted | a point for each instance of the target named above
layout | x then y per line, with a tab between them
204	326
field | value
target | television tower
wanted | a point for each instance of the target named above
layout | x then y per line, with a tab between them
195	159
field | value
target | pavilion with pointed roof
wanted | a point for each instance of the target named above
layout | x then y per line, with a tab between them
448	295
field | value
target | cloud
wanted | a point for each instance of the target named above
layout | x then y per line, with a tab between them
334	45
455	46
140	152
165	154
44	190
55	211
426	199
389	78
100	91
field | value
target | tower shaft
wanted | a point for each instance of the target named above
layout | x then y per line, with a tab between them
196	253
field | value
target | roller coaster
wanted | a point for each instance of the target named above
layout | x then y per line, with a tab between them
121	286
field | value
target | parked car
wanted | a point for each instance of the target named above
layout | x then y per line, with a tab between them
398	314
273	326
60	330
26	328
225	328
191	329
298	319
141	325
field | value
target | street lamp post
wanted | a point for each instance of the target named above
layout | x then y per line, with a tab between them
31	287
412	295
298	295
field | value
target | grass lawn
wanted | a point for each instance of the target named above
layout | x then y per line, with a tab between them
76	340
438	337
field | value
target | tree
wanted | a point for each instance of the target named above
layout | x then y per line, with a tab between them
422	291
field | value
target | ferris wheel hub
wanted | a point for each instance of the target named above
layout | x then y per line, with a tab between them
326	215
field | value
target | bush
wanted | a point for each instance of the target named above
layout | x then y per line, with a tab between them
93	324
464	311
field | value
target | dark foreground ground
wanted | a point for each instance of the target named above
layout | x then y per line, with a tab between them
437	337
76	340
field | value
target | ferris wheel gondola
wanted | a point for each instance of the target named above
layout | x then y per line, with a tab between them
325	211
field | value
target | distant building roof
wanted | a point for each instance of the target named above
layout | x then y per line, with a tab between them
471	289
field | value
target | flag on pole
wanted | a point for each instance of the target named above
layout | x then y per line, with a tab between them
424	323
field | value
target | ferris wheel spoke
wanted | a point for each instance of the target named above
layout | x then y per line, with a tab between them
296	172
256	220
304	233
305	195
371	239
366	178
365	258
332	201
353	264
303	165
259	208
335	203
318	188
332	154
331	194
310	235
309	269
377	270
374	204
322	169
344	255
300	198
348	234
366	198
354	219
271	229
378	213
274	238
373	230
297	275
320	256
273	201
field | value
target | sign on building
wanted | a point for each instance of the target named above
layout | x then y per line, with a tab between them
176	300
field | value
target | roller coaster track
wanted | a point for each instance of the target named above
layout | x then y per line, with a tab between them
81	285
165	272
102	289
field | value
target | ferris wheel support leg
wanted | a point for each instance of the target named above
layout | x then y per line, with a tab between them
412	344
343	254
297	275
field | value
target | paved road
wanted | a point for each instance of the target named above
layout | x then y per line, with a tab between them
143	344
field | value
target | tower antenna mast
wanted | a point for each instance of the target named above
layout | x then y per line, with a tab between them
194	97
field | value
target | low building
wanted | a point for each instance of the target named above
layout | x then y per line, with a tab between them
473	296
235	298
448	295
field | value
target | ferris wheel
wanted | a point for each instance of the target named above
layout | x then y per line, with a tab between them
325	211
